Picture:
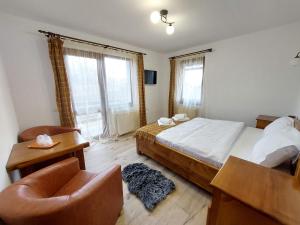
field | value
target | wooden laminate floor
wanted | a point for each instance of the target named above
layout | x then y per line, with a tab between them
187	205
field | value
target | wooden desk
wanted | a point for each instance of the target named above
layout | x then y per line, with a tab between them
248	194
30	160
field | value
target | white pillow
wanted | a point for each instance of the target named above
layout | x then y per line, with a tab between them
273	141
279	125
279	156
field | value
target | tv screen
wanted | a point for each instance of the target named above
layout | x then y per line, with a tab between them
150	76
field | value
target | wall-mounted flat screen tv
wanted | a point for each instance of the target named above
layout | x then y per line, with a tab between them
150	77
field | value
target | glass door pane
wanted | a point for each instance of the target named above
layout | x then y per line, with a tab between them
118	82
82	73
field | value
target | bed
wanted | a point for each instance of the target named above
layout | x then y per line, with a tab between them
217	140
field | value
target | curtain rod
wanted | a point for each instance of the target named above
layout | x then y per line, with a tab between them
192	53
47	34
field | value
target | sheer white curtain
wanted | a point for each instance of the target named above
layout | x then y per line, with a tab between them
122	94
103	89
189	86
82	70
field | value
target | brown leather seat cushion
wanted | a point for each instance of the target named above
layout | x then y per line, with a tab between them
76	183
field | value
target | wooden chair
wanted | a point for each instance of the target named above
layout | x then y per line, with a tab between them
32	133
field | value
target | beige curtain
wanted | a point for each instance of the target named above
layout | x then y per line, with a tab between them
63	99
172	87
141	86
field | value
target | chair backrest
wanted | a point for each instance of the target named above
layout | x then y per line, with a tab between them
32	133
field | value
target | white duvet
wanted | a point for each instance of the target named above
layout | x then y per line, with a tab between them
205	139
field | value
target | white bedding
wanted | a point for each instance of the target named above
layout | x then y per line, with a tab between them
244	145
205	139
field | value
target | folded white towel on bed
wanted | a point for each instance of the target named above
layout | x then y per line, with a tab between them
181	120
163	121
180	116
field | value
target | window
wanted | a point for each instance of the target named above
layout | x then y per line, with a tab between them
83	78
101	86
192	84
84	84
118	81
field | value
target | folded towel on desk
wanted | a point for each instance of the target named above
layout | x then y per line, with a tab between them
44	140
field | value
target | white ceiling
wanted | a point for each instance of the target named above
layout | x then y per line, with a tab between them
197	21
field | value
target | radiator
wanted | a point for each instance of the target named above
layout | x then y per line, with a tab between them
126	122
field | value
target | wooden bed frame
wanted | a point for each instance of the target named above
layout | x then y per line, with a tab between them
192	169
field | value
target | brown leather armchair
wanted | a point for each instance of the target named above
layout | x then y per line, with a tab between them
32	133
62	194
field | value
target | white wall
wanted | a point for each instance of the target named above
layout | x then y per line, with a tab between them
250	75
9	126
30	73
154	93
245	76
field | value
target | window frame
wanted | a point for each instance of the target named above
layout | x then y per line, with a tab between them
181	101
97	56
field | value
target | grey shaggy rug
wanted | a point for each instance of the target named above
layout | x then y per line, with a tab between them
149	185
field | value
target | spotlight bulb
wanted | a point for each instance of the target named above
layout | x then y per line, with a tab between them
170	29
155	17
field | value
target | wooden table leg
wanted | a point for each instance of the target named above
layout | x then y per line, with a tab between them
80	155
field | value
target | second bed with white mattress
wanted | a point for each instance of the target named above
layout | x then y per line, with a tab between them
211	141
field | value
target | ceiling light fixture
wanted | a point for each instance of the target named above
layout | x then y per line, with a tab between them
296	61
163	17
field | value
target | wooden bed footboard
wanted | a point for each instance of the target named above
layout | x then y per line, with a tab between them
194	170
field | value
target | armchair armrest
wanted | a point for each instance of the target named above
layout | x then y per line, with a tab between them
30	208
